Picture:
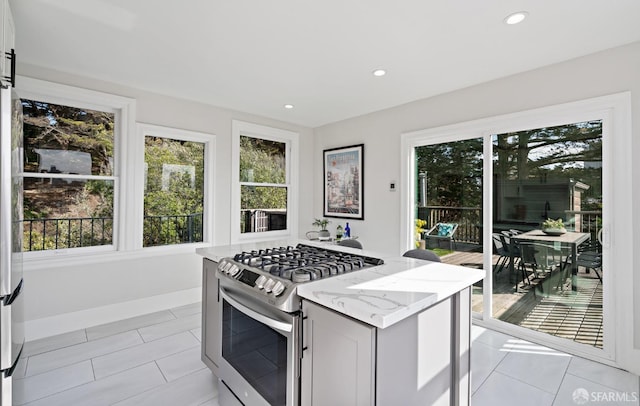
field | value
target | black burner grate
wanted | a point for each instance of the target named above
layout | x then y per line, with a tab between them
304	262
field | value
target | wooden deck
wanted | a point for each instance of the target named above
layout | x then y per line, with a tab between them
573	315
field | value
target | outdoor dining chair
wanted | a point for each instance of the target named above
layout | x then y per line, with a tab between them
591	260
502	252
527	264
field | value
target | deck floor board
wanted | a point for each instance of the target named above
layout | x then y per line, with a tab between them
573	315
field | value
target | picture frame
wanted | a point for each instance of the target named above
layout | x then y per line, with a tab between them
343	171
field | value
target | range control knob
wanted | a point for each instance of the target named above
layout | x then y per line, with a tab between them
268	286
234	269
221	264
261	281
278	288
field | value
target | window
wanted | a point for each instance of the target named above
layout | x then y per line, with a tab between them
175	179
72	162
263	188
264	174
68	176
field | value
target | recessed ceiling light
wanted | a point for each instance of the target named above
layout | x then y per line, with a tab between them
288	106
516	18
379	72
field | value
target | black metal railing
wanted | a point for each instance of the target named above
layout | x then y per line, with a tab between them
167	230
260	220
74	232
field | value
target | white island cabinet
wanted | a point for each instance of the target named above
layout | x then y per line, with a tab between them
338	359
421	360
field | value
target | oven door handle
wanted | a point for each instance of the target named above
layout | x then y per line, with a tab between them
274	324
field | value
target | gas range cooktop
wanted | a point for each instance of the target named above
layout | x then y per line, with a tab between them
271	275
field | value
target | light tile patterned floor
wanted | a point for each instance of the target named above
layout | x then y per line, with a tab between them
155	360
147	360
509	371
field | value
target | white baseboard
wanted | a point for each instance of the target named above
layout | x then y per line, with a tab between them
64	323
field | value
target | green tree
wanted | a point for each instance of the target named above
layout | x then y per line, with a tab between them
548	151
554	153
262	161
454	169
454	172
53	126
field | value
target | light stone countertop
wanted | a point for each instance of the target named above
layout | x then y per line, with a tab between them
380	295
386	294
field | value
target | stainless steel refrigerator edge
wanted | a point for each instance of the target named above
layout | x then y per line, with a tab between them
11	282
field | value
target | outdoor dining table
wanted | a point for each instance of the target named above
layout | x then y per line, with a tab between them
570	238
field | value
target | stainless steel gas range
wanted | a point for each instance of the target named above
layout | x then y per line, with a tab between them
259	313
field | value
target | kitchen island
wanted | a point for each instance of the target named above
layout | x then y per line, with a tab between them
397	333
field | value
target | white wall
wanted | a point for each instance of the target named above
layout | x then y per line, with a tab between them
612	71
58	289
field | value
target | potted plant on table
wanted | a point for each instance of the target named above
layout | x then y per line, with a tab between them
323	234
553	227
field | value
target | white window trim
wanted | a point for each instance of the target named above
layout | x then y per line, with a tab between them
615	112
124	109
291	138
208	140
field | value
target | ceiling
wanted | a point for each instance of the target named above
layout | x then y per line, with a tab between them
258	55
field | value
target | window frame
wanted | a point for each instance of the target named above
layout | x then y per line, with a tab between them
123	109
291	139
143	130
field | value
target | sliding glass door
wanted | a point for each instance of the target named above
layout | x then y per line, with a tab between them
547	218
529	199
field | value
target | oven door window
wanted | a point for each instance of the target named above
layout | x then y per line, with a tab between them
256	352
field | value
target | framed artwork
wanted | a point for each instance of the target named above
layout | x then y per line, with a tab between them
344	182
